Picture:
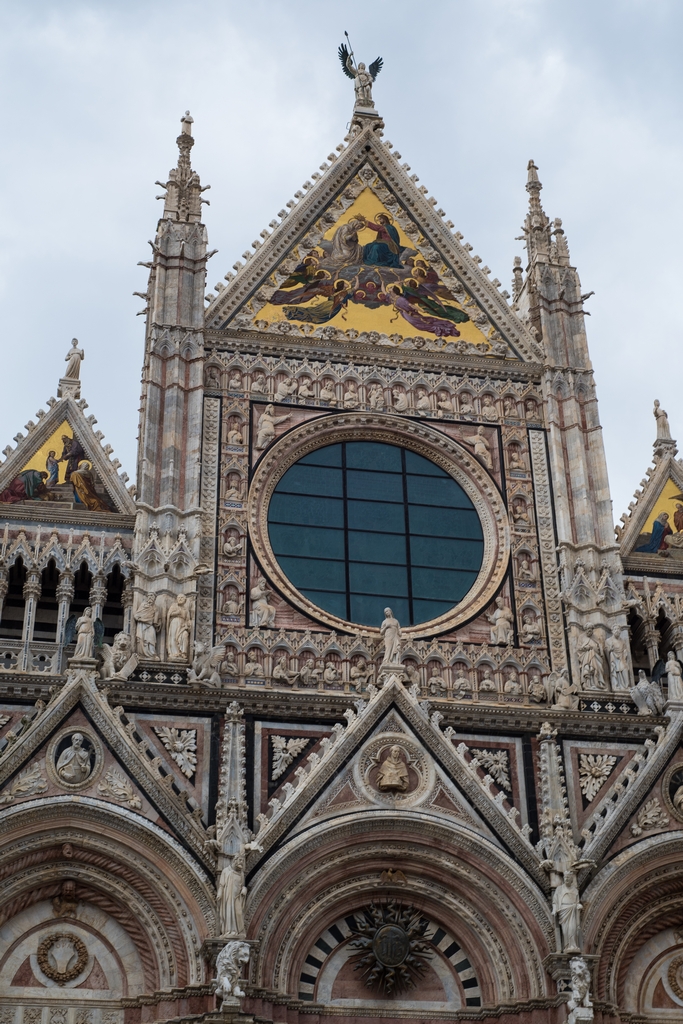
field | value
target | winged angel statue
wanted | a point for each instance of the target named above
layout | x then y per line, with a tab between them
362	77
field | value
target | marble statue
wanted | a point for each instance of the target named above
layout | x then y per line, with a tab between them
647	695
400	400
436	682
481	445
85	635
376	397
663	430
262	612
232	546
73	359
118	660
501	623
327	393
488	409
330	673
205	664
266	426
531	627
360	674
282	673
525	570
235	382
537	691
616	650
461	684
232	893
178	628
423	404
310	675
284	389
74	765
235	436
674	677
258	384
391	631
512	683
147	626
304	391
590	661
563	695
487	684
466	407
580	998
444	403
362	77
393	771
229	968
567	909
351	399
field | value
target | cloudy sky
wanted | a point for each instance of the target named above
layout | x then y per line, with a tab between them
471	89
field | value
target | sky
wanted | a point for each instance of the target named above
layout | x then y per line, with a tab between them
470	90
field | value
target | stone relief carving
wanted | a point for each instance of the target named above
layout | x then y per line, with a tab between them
284	753
651	816
74	758
62	957
393	949
267	423
181	745
497	764
116	786
75	761
594	770
28	782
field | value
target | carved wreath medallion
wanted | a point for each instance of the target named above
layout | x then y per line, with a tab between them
675	976
416	437
392	769
74	758
672	790
62	957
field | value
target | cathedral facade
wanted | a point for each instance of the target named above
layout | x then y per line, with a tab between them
354	705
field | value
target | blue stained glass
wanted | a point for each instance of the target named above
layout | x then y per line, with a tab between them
360	526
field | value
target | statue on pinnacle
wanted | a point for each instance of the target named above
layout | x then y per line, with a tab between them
363	77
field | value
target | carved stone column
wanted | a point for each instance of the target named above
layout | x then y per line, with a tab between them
31	594
651	637
4	587
127	598
65	594
98	595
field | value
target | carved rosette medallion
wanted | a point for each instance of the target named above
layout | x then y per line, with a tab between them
393	951
74	758
392	769
62	957
672	790
446	453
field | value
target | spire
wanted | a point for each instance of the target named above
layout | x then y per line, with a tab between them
183	201
536	224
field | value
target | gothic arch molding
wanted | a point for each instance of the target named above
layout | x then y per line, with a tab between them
456	877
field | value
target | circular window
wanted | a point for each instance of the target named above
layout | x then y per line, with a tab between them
360	525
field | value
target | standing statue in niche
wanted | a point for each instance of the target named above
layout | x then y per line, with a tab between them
232	892
361	76
73	359
674	678
391	631
617	654
663	430
501	623
178	626
567	908
590	661
147	626
85	635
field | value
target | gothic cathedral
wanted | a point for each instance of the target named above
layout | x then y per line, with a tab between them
354	706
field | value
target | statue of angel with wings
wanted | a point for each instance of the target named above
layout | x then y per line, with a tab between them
362	77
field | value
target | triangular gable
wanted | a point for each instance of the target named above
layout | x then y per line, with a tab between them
363	256
652	534
128	748
96	486
348	790
324	769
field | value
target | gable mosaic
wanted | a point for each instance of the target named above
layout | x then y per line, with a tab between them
351	706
